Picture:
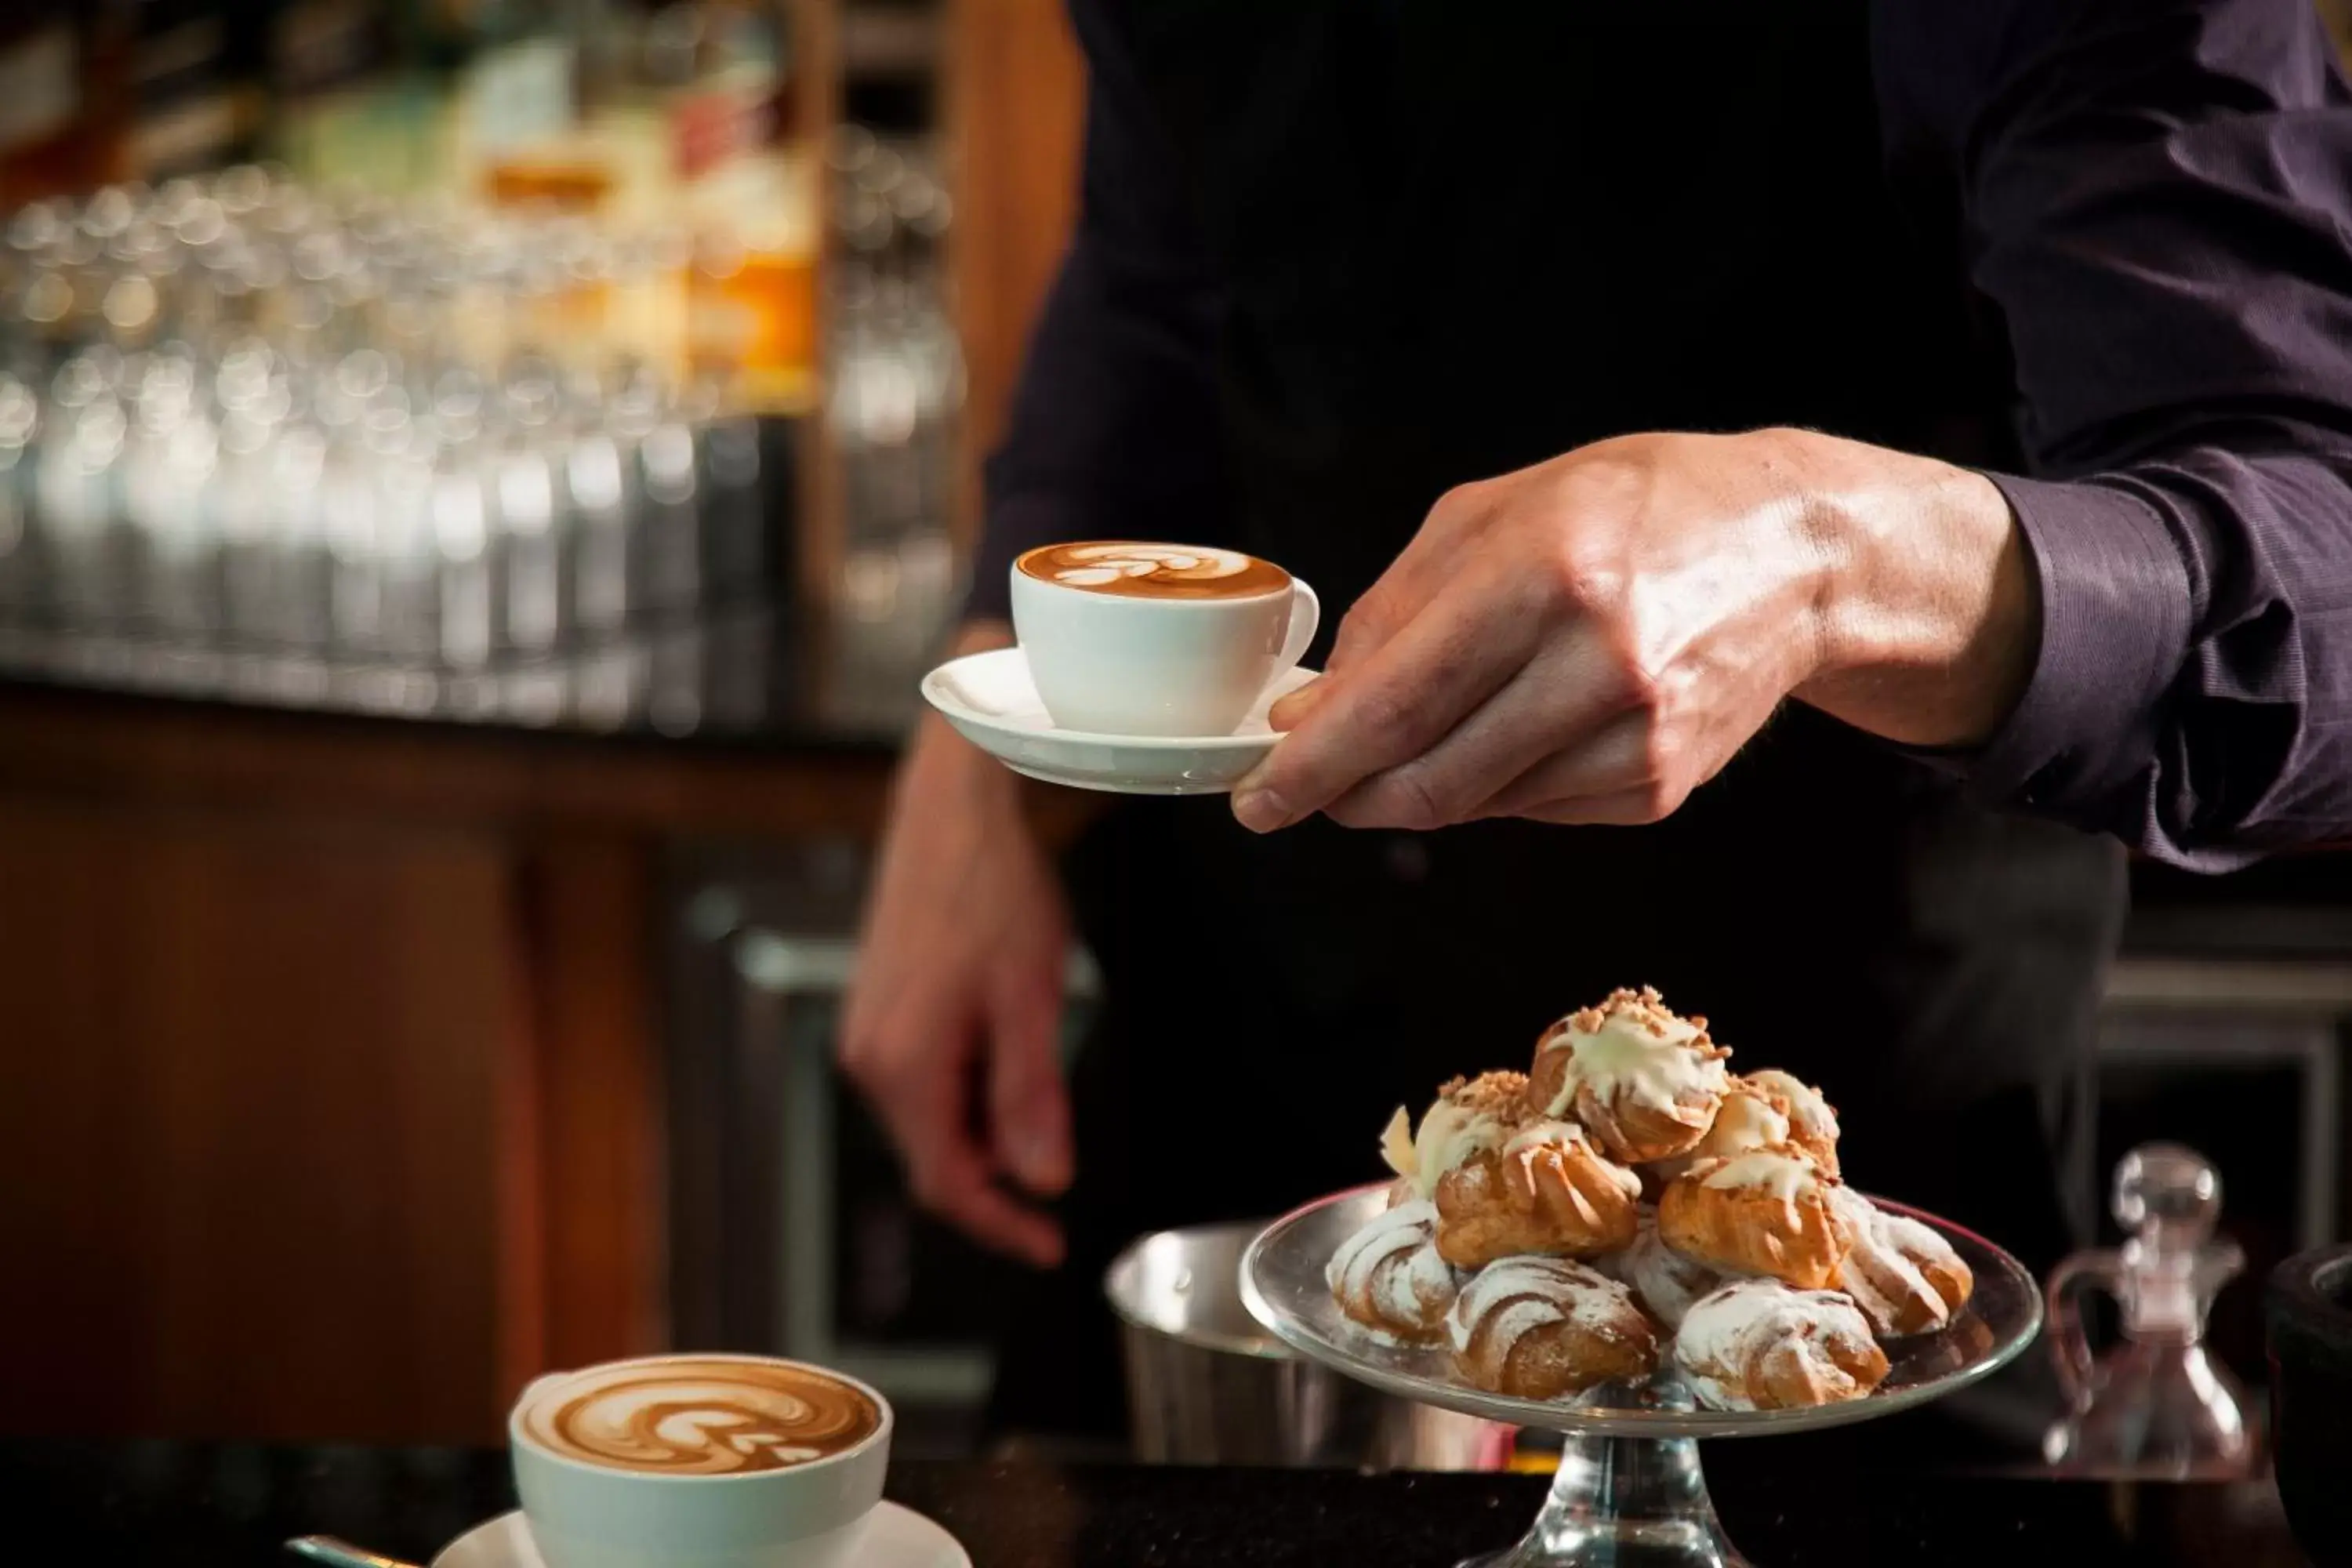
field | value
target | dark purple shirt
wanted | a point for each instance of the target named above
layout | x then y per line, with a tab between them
2154	198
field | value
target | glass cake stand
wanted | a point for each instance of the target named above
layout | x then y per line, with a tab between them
1629	1493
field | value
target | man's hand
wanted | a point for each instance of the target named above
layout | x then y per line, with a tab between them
959	994
1590	639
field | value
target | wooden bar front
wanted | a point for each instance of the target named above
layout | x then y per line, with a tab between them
331	1103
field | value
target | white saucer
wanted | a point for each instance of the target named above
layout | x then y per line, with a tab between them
992	703
897	1538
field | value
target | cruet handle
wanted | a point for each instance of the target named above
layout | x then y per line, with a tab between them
2071	1348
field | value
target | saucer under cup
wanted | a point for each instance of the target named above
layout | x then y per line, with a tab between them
992	701
1124	664
895	1537
811	1515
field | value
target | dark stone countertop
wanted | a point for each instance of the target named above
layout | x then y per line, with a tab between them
182	1505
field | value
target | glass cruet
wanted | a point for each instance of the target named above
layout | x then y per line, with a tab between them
2154	1405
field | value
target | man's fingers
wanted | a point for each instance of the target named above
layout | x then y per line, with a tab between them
1291	712
922	1097
1617	757
1627	808
1397	704
1363	631
953	1184
1550	706
1028	1109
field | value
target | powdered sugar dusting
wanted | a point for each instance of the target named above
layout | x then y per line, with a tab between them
1883	1272
1667	1281
1917	1241
1515	1296
1726	1335
1421	1283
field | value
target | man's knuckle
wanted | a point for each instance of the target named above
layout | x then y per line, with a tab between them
1463	500
1625	682
1571	581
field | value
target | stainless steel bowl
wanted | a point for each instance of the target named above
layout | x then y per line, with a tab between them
1207	1385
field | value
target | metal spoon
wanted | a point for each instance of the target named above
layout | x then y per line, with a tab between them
341	1554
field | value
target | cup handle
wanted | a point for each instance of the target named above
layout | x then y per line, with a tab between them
1305	615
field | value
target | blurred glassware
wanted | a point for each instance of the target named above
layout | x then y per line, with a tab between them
294	441
2154	1406
896	391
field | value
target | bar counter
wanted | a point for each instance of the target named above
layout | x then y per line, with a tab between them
154	1505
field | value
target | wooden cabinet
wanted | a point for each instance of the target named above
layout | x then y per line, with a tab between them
250	1120
329	1089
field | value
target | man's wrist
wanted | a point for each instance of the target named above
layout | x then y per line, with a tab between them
1928	617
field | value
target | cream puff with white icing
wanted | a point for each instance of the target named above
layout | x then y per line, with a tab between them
1904	1275
1812	1121
1469	1117
1758	1344
1388	1278
1767	1211
1642	1080
1763	1110
1503	1185
1546	1328
1547	1188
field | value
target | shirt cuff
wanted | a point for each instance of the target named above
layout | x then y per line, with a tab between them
2116	607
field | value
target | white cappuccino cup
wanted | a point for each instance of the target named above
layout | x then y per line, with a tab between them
1128	639
651	1463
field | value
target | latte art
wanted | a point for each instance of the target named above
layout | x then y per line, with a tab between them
690	1415
1099	565
1154	570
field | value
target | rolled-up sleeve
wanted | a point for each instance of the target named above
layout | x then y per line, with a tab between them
1113	431
2156	197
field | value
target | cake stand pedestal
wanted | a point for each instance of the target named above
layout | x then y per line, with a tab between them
1629	1492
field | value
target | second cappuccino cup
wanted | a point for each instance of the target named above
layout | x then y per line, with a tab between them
700	1462
1127	638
